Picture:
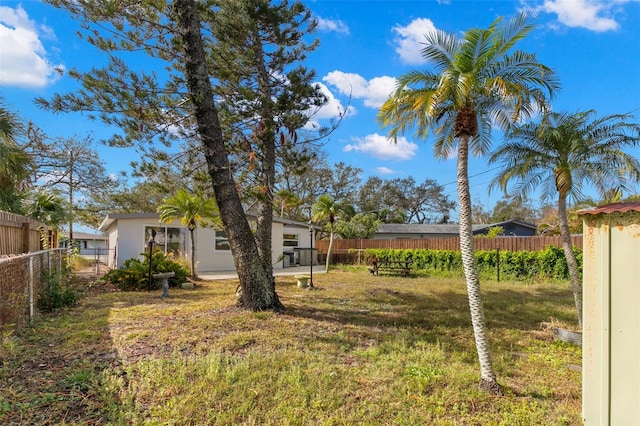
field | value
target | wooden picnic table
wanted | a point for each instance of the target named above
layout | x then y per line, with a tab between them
391	265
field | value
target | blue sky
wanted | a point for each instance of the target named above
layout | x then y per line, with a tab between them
593	45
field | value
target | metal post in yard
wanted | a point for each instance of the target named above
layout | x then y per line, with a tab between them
310	256
31	301
152	237
498	263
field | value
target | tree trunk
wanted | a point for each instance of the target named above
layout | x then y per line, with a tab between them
328	250
570	256
264	229
266	136
255	281
264	219
488	376
194	276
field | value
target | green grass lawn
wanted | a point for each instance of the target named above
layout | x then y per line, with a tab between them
360	349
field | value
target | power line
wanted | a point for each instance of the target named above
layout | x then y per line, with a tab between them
472	176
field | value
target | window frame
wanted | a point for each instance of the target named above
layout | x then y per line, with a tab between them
286	240
167	245
220	241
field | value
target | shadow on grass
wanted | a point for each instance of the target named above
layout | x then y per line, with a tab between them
62	369
437	314
68	368
57	370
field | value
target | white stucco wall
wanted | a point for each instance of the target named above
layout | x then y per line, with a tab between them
207	257
126	236
112	239
131	240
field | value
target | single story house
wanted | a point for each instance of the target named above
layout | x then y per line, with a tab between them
392	231
512	228
89	245
128	235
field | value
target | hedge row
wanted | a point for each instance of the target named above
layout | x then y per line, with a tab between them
549	263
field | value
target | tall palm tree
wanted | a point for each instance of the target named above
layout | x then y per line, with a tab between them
560	155
190	209
477	81
325	208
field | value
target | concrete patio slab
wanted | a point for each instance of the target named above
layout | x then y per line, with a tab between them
294	270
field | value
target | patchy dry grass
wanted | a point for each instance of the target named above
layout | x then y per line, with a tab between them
359	350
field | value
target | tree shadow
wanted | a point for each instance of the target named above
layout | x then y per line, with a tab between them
61	367
439	317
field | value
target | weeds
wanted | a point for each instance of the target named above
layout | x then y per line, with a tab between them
55	294
359	350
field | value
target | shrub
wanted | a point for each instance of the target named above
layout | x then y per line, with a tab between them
549	263
54	295
134	274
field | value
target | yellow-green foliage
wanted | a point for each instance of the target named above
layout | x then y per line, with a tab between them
493	232
549	263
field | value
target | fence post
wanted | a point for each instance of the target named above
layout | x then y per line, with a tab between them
30	281
26	244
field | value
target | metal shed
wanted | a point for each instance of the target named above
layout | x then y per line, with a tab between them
611	317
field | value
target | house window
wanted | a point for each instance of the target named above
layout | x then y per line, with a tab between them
221	241
290	240
169	240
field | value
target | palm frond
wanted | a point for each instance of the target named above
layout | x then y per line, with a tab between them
189	209
445	143
511	31
472	55
481	143
440	49
579	149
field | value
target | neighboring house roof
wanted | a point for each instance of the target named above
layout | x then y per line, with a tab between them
111	218
444	229
514	222
419	228
87	236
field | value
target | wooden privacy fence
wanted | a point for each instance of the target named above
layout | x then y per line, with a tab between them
20	234
353	249
21	282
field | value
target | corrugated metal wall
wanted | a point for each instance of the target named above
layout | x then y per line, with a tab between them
611	319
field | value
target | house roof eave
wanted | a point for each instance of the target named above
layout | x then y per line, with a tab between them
111	218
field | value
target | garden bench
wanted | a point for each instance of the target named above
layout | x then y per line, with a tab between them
391	266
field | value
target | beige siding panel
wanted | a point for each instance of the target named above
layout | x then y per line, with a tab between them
611	319
625	324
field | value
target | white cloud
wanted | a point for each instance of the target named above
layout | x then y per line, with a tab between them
331	110
332	25
374	92
23	57
384	148
410	40
385	170
594	15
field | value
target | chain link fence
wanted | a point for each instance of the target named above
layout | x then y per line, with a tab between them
21	280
